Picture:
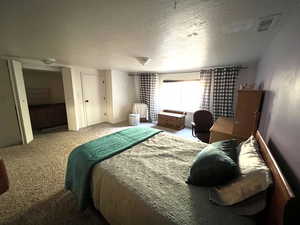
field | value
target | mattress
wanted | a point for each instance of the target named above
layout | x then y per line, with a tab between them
146	185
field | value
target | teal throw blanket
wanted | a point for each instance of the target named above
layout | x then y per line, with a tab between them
84	157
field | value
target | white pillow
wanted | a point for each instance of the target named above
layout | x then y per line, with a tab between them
255	177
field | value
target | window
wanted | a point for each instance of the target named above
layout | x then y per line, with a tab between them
181	95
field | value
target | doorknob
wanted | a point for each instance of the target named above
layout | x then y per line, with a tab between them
86	101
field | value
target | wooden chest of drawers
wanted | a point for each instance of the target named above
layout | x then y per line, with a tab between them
171	120
223	129
246	120
50	115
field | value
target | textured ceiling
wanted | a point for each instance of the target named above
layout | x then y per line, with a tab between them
109	34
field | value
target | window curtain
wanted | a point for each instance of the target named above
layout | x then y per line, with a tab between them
224	80
137	88
205	83
149	87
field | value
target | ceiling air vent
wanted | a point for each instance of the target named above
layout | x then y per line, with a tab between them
268	22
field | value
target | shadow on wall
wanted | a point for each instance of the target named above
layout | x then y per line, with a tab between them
266	109
264	128
292	209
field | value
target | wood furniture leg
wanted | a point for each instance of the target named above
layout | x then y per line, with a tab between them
3	178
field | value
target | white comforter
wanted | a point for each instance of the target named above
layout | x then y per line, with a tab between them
146	185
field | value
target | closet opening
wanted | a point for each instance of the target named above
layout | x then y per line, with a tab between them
46	100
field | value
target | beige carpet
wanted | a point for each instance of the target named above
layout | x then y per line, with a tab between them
36	172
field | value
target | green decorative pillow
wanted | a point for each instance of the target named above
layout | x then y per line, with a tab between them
229	147
215	164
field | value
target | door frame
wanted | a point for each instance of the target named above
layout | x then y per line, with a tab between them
85	122
70	99
19	92
22	119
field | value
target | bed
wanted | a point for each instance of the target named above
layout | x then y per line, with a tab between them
146	185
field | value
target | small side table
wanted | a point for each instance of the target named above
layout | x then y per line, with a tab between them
4	185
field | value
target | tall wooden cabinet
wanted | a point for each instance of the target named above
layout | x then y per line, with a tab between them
246	118
247	112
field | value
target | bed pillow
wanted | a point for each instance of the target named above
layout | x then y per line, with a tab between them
254	178
249	207
214	165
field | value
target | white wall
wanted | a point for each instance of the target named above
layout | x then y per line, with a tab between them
120	95
179	76
46	80
109	93
9	132
279	76
246	76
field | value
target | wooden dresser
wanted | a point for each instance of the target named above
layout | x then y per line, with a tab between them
171	119
48	115
221	130
246	118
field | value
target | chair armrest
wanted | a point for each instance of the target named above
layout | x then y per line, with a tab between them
193	129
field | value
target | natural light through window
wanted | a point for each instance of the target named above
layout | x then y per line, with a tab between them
181	95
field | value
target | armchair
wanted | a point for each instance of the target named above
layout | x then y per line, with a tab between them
202	122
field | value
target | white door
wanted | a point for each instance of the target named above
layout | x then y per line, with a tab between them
10	132
94	98
18	85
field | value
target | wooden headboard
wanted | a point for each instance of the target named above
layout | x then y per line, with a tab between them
280	193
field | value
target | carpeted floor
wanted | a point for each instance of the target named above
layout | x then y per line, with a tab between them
36	172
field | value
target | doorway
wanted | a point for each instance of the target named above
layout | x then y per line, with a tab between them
21	102
94	98
46	100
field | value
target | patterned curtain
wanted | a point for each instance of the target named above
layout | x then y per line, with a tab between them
137	88
223	91
205	82
149	87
